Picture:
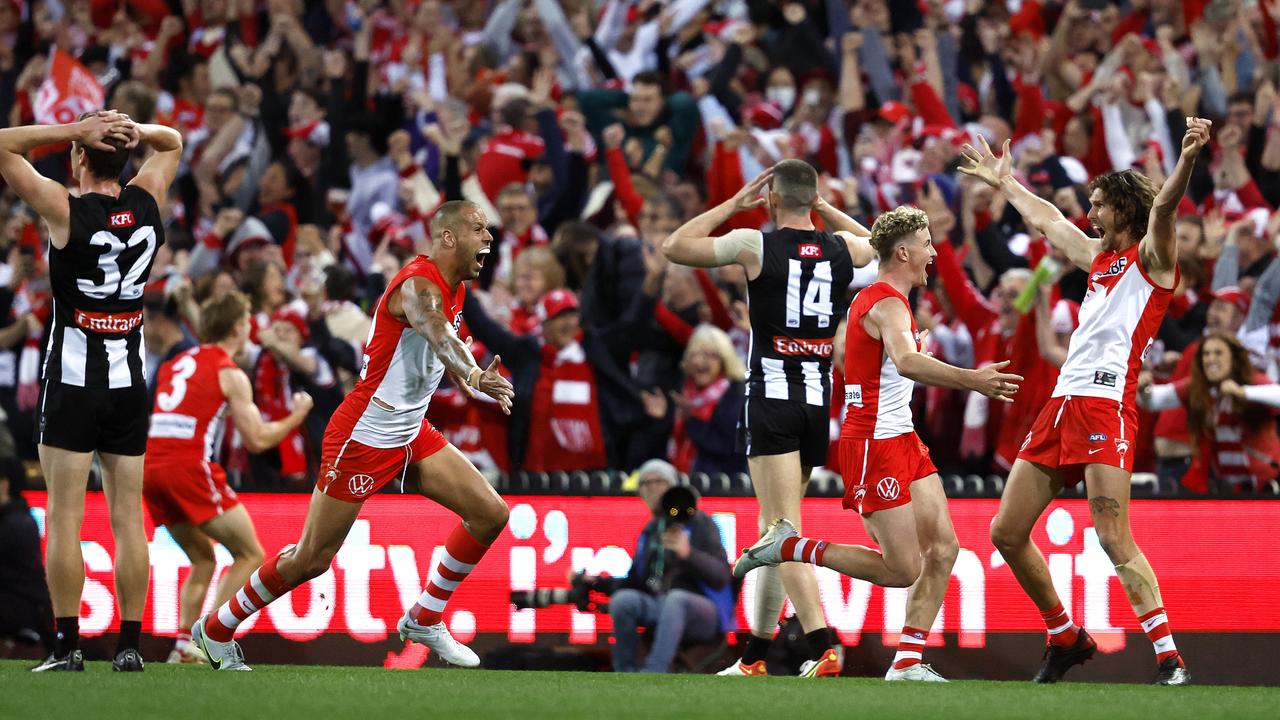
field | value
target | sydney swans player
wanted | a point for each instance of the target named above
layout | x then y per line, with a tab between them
93	395
184	488
380	433
1088	428
888	476
792	273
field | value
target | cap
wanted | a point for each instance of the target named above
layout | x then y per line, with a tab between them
894	111
662	468
558	301
293	317
765	115
251	231
1235	296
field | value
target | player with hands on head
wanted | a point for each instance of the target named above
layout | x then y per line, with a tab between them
93	397
796	277
1089	427
889	477
380	433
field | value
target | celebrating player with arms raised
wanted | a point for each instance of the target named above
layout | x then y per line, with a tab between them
792	273
380	433
1089	426
93	397
888	475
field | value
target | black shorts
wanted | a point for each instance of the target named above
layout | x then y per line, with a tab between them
88	419
777	427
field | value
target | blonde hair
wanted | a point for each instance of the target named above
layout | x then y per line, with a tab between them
541	260
714	340
894	226
219	316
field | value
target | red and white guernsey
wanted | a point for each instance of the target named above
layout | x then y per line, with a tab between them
1119	317
877	398
400	372
187	417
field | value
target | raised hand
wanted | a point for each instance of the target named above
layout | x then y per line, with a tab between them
984	165
613	136
749	196
989	381
492	383
96	129
1196	137
302	403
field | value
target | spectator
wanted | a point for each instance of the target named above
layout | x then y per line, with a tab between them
1231	408
678	585
707	407
26	613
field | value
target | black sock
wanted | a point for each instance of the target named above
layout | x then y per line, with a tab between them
67	637
130	632
756	649
819	642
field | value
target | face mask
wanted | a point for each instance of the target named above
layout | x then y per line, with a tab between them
784	95
812	96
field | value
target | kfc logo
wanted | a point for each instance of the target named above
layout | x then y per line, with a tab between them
360	485
888	489
121	220
810	251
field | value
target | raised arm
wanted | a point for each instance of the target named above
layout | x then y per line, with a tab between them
49	197
889	320
855	235
1040	215
259	435
157	171
693	245
420	303
1158	251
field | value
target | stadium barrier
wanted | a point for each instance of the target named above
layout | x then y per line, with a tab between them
1217	574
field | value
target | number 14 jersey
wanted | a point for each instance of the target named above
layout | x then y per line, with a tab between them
793	322
97	281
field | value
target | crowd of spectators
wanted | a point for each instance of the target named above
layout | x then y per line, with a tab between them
320	136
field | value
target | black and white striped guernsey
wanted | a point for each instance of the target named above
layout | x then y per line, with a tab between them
804	278
97	282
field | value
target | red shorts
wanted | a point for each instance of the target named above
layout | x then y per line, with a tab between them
878	473
352	471
1072	432
192	493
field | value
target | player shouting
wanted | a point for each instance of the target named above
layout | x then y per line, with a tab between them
184	488
792	273
888	475
380	433
93	394
1090	424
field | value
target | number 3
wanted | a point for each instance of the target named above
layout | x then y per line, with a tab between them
130	288
182	372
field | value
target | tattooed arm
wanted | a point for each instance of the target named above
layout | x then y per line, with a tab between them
420	303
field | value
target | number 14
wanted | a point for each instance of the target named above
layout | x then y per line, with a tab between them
815	301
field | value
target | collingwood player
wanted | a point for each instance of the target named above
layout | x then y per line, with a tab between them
796	276
93	395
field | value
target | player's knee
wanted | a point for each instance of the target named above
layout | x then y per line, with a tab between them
1116	542
491	517
905	572
943	553
314	563
250	554
1006	538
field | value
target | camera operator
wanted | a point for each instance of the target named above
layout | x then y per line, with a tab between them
679	583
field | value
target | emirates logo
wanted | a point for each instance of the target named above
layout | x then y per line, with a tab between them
888	489
360	485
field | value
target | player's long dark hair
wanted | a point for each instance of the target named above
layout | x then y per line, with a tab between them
1131	194
1202	405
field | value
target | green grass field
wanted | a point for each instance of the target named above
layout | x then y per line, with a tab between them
282	692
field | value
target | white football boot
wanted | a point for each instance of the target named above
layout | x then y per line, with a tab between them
920	672
767	551
221	655
437	638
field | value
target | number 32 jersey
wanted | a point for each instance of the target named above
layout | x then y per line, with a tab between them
793	322
97	281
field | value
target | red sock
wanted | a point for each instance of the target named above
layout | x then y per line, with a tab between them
461	553
1061	630
1156	625
798	549
910	647
264	586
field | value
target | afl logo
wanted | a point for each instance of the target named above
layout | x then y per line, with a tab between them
360	485
888	489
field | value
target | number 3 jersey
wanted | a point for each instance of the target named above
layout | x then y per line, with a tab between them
97	281
186	420
793	323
